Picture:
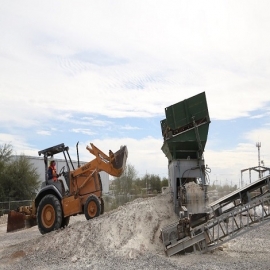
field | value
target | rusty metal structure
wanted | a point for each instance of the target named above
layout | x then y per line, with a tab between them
206	227
260	169
229	217
185	131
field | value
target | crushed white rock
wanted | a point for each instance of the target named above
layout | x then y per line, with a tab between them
126	238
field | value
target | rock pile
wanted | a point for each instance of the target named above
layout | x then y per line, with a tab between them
3	219
130	230
127	238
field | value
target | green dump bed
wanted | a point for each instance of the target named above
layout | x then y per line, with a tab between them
185	128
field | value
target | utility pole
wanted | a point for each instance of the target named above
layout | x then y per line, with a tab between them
146	183
258	144
259	169
262	162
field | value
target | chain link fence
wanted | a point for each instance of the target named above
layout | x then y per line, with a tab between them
6	206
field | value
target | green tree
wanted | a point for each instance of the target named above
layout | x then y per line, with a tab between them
5	157
18	178
164	182
124	183
152	182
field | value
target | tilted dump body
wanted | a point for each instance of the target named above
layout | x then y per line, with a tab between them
185	128
203	228
184	132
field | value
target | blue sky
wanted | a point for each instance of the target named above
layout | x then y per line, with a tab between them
104	71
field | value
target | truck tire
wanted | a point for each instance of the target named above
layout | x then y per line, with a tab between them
92	207
49	214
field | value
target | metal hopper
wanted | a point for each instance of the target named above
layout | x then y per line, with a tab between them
185	128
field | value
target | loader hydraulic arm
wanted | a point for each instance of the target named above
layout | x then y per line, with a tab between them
114	164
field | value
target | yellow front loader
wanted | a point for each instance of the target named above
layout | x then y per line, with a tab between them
54	205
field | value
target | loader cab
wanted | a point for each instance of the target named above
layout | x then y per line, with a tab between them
49	153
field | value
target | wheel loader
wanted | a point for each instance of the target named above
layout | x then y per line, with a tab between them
53	205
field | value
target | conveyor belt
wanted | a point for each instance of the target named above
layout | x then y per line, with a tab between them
238	194
232	215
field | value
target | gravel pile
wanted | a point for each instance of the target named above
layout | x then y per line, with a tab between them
127	238
3	219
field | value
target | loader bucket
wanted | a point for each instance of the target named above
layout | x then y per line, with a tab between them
119	162
16	221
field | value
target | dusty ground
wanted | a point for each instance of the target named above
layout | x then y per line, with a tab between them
127	238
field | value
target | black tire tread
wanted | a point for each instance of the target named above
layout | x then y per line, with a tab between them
96	200
53	200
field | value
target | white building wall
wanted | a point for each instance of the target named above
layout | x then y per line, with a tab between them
38	163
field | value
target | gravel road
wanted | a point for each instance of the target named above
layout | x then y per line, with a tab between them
127	238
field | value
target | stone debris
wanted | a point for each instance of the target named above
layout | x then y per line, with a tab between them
3	219
126	238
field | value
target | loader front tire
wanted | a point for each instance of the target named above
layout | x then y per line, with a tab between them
92	207
49	214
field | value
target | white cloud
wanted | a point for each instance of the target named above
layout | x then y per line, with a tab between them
44	132
128	127
145	155
172	51
18	143
83	131
257	116
226	165
133	59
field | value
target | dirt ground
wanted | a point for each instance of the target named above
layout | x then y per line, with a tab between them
126	238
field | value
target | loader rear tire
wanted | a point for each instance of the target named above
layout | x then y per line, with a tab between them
49	214
92	207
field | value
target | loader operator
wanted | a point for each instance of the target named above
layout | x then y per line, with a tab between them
53	176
